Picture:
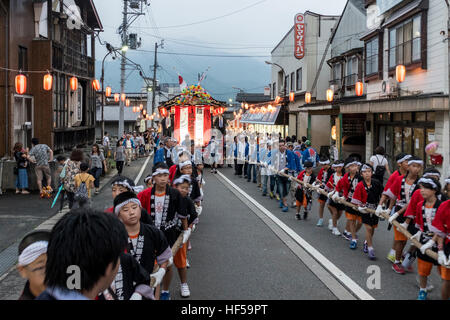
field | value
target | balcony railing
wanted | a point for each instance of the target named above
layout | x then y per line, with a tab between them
73	62
351	79
335	82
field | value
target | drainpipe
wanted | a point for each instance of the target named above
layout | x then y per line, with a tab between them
6	81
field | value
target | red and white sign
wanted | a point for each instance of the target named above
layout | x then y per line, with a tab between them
299	36
267	91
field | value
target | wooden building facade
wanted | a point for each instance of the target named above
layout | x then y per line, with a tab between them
57	36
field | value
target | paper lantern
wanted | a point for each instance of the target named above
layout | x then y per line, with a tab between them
333	132
163	112
270	108
116	97
21	84
48	82
400	73
359	88
308	97
330	95
108	91
144	112
74	83
96	84
127	102
291	96
277	100
246	106
123	97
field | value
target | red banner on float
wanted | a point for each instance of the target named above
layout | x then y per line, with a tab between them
299	36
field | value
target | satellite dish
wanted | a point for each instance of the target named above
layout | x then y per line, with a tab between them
373	17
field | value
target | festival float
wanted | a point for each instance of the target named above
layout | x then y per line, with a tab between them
193	113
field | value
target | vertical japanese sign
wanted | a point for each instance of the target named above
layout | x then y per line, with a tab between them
184	118
299	36
199	122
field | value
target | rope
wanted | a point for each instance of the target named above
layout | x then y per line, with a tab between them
386	216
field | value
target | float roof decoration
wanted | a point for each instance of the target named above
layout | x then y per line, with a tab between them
193	96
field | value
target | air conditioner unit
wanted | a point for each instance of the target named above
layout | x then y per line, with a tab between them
389	88
134	4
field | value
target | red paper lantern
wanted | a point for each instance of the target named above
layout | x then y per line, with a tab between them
48	82
144	112
277	100
330	95
123	97
21	84
172	110
359	88
400	73
308	97
116	97
291	96
127	102
96	84
74	83
108	91
163	112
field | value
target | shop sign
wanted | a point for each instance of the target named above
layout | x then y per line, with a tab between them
299	36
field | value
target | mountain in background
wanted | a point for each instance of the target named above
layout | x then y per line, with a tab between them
250	74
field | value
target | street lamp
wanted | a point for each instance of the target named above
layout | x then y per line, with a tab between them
284	92
110	51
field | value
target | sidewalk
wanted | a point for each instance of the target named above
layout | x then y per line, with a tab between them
20	214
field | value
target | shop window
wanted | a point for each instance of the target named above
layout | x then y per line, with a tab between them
431	116
419	141
397	117
407	140
421	116
299	79
397	140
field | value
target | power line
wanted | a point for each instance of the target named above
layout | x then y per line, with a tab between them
209	20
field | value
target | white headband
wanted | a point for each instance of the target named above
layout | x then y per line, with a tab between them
120	206
428	181
337	165
353	162
136	189
404	158
447	181
184	164
32	252
431	174
324	162
410	162
160	171
182	179
366	167
147	179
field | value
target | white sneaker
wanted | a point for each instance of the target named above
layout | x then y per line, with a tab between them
188	265
336	232
430	287
330	224
185	290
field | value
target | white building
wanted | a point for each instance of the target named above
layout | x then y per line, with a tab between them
308	74
406	116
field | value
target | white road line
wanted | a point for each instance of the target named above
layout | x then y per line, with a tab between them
327	264
142	170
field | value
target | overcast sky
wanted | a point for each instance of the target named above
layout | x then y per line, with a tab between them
254	30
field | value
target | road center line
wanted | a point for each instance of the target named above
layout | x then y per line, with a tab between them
321	259
142	169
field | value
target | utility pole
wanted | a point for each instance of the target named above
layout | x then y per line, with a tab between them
155	66
122	68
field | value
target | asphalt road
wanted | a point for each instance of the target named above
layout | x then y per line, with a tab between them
235	255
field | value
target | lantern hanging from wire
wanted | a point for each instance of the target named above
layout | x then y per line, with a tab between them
108	92
308	97
277	100
21	83
123	97
74	83
96	84
292	96
163	112
359	88
48	82
330	95
141	107
400	73
116	97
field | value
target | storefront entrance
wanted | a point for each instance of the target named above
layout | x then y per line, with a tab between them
407	132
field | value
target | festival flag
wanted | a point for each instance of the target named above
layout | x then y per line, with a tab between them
183	84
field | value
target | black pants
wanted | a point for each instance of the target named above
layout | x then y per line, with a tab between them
119	166
235	166
70	198
246	169
239	169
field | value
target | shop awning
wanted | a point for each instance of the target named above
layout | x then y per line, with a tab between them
261	118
